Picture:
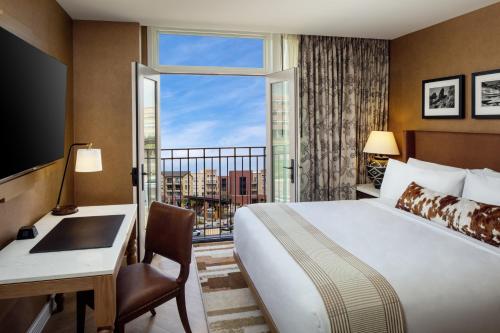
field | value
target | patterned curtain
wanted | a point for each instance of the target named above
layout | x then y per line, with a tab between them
343	85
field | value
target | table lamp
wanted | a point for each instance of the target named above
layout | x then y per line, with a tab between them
381	144
87	160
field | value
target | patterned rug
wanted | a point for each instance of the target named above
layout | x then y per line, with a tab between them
229	304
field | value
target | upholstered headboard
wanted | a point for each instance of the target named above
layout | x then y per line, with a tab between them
464	150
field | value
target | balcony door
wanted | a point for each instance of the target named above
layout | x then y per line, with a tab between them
282	144
145	176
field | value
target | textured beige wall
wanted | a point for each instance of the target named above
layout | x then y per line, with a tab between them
44	24
103	53
463	45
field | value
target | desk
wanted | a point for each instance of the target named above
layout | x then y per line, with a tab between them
23	274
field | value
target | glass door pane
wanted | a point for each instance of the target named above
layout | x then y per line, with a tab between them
146	145
282	141
280	113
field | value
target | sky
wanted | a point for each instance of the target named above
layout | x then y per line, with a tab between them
209	110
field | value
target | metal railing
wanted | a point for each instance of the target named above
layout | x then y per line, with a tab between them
213	182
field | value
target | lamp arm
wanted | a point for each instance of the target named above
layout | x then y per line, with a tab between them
66	167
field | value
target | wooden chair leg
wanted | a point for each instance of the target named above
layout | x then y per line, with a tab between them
59	299
80	312
153	312
181	306
119	328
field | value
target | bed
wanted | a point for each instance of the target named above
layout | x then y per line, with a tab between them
445	281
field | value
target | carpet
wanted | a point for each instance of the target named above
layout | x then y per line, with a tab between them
230	306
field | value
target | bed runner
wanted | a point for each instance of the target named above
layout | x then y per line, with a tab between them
357	298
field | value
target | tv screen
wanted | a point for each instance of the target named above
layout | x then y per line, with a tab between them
33	107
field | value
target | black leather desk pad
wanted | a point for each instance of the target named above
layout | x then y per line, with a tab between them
79	233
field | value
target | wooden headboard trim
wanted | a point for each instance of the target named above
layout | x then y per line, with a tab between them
463	150
408	145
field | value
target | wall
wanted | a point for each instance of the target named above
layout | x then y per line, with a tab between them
462	45
103	52
44	24
144	45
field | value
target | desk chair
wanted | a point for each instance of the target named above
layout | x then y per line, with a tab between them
140	287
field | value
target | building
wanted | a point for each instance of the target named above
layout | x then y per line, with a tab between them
224	186
246	187
176	185
205	183
259	184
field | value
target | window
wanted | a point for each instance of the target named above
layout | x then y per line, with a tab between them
213	95
193	50
223	109
243	185
203	52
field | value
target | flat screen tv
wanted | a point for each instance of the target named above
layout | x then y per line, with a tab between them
33	107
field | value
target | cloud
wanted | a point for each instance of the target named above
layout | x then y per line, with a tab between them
213	110
213	134
244	136
191	93
233	106
210	51
188	135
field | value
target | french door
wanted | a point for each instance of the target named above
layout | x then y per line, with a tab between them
282	142
145	177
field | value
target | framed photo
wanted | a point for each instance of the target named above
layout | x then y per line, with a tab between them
443	98
486	95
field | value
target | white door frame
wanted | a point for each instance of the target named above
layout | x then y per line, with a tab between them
139	73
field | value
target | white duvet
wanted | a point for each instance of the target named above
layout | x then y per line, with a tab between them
446	281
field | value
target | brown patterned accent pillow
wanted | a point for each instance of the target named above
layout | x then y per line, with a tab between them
474	219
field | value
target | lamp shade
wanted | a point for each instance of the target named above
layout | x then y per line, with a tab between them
88	160
381	143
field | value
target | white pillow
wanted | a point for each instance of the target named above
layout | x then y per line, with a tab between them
491	173
431	166
482	188
399	175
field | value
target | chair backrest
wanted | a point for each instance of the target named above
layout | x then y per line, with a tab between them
169	233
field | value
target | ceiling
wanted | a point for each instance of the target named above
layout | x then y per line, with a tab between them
386	19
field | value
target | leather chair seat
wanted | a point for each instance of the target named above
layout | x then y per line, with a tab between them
139	285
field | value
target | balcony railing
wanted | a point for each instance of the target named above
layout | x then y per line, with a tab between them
213	182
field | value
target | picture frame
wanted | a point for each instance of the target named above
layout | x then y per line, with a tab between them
443	98
486	94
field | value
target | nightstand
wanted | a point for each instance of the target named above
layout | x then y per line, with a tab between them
367	191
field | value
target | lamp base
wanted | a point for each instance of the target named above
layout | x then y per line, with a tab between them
376	169
64	210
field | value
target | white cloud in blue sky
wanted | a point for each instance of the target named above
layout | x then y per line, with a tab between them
208	110
188	50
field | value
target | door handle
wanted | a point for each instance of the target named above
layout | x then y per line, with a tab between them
135	176
292	170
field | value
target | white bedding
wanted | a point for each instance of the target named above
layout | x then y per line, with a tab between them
446	281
